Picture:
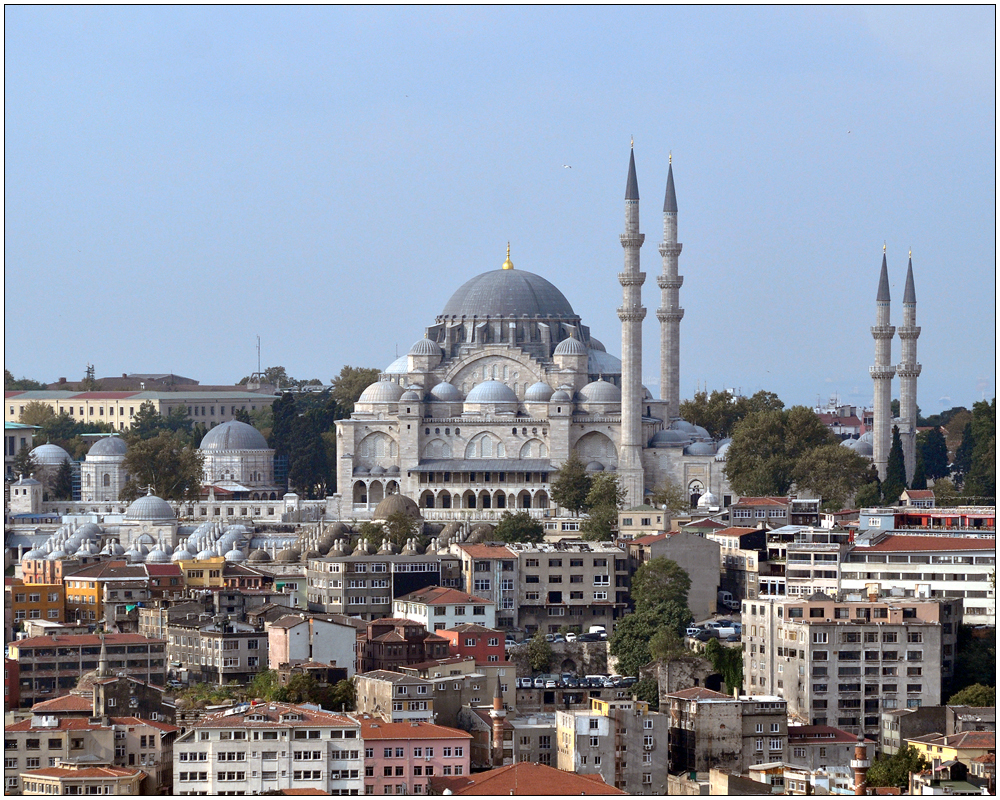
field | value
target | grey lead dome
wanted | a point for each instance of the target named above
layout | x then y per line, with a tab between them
108	446
233	435
508	293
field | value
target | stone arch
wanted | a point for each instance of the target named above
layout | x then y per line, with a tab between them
377	445
568	665
437	448
516	366
500	501
484	500
106	480
427	499
485	445
445	500
524	499
376	492
596	446
469	499
695	490
541	499
360	492
534	448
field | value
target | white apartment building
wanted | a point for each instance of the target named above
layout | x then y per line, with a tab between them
264	747
438	608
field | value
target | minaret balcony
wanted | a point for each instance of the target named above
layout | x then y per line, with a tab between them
909	331
637	314
883	331
882	372
631	278
668	314
908	370
670	281
632	239
670	249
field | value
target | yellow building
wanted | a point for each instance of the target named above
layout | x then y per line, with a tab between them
71	778
203	574
964	747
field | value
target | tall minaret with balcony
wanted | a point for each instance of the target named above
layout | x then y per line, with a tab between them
908	370
670	313
631	313
882	373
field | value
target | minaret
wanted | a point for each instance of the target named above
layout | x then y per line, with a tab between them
882	374
860	765
908	369
498	713
670	313
102	663
631	313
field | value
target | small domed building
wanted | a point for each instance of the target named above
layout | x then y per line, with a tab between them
238	465
102	473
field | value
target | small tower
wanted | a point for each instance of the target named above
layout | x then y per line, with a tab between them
631	313
908	370
670	312
498	714
882	373
860	766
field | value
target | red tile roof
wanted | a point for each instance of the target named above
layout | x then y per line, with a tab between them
152	723
83	640
487	551
920	494
442	595
272	713
68	773
819	734
735	531
66	703
372	729
648	539
763	501
65	724
526	779
902	542
155	570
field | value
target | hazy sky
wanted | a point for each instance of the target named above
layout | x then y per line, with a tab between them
180	180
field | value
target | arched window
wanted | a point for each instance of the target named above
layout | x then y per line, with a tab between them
107	479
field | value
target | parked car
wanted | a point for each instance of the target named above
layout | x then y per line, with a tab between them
705	634
558	637
693	630
589	637
734	638
571	637
550	637
551	684
629	680
524	683
539	683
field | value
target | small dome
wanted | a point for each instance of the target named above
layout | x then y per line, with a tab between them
235	556
259	556
859	446
570	347
233	435
181	554
600	392
722	449
700	449
382	392
708	500
89	531
158	556
425	347
47	455
108	446
55	555
378	469
701	433
491	392
393	470
560	395
290	555
134	556
409	396
539	392
151	509
683	425
446	393
595	466
205	554
669	438
396	503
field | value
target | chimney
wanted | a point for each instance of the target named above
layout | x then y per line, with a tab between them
860	766
62	380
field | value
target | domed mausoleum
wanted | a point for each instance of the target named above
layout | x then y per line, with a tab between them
102	473
238	463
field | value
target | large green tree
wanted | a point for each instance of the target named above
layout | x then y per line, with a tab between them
719	411
20	384
604	499
963	455
629	642
895	471
767	446
62	483
25	462
165	462
934	450
976	695
981	479
670	495
350	383
571	484
539	653
519	526
833	472
658	582
728	662
35	412
895	770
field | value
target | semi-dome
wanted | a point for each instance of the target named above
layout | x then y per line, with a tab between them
381	392
50	455
491	392
595	466
669	438
108	446
539	392
150	509
233	435
508	293
570	347
601	392
425	347
396	503
446	393
700	449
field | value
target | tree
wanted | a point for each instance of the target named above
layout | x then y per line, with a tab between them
766	447
263	685
934	450
666	645
895	471
25	462
647	689
895	770
571	484
728	662
62	484
981	480
719	412
21	384
833	472
147	422
35	412
302	688
919	479
350	383
659	582
173	469
630	640
242	415
519	527
976	695
944	491
604	499
283	415
975	660
600	525
399	527
963	455
539	653
90	382
671	496
342	697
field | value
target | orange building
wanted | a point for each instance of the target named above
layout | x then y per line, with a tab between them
37	601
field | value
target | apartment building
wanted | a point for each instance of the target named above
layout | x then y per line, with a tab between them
461	682
821	747
69	777
394	696
774	512
393	643
365	586
36	601
937	565
485	645
696	554
52	665
844	661
217	651
490	570
91	589
439	607
266	747
813	559
570	583
620	740
402	757
294	639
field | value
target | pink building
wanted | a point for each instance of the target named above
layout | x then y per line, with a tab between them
402	757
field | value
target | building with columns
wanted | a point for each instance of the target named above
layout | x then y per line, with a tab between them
508	381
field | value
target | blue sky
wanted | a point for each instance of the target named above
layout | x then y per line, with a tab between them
180	180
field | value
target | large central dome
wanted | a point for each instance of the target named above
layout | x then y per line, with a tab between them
508	293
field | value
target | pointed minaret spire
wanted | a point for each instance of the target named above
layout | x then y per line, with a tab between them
882	374
908	370
670	198
670	312
631	313
883	282
102	663
497	714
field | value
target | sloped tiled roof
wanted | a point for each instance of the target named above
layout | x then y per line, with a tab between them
65	724
372	729
441	595
525	779
69	703
83	640
487	551
83	772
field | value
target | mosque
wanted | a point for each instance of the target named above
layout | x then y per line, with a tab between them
508	381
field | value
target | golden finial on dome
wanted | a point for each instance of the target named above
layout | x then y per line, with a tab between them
631	142
670	157
883	247
910	254
508	264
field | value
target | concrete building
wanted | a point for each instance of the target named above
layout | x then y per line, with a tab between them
394	696
820	747
460	682
295	639
621	740
68	777
485	645
491	569
520	779
741	551
901	724
845	661
254	748
696	555
710	729
402	758
36	601
438	608
217	651
391	643
813	560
